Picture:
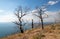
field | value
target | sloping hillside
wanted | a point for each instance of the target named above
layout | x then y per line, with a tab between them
50	32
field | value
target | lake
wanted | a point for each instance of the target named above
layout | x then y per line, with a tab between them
7	29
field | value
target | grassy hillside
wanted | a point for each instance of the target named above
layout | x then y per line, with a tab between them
50	32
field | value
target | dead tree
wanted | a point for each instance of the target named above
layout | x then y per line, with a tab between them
40	13
19	14
32	24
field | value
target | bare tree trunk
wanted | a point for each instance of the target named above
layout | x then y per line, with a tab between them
41	19
32	24
42	23
21	29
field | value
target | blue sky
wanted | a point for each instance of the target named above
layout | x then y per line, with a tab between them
7	7
12	4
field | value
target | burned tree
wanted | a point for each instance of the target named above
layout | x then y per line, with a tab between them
32	24
19	13
40	13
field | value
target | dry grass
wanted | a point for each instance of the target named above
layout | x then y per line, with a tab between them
50	32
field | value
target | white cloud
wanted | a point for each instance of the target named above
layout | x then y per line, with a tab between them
1	11
52	2
51	16
30	16
10	17
7	18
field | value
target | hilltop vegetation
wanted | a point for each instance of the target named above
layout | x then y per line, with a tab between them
49	32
